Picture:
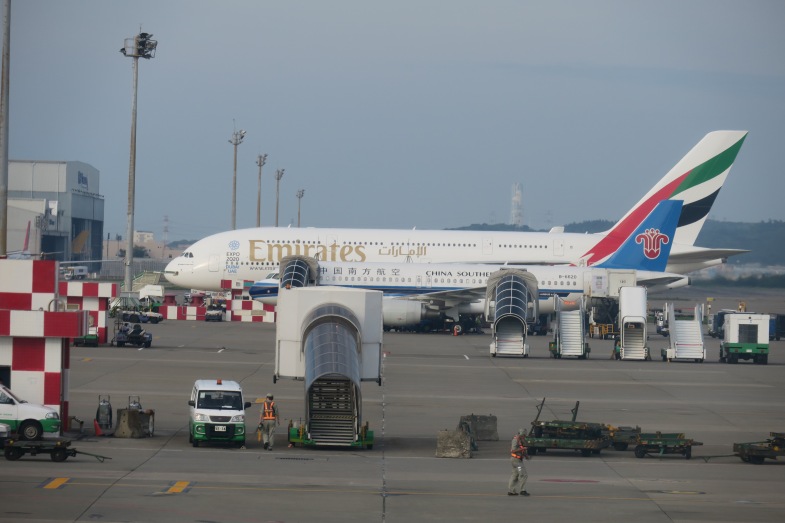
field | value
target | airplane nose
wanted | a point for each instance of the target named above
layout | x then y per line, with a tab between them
171	272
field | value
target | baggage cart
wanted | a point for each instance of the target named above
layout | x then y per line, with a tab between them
58	449
664	443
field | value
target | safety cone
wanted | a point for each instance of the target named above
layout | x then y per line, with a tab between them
98	431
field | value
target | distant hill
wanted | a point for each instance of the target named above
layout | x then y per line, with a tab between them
765	240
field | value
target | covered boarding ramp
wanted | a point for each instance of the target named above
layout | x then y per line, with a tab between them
511	300
298	271
333	404
330	338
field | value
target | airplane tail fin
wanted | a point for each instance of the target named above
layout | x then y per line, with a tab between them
650	244
696	181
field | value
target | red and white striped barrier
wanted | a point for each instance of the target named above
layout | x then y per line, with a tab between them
35	334
93	297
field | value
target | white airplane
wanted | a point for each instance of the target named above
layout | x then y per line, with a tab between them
247	254
415	292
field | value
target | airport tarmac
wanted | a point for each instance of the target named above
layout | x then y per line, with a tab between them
430	380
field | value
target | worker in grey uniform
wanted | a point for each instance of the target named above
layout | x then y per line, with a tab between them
518	454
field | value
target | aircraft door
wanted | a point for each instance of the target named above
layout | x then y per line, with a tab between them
214	263
487	245
421	282
558	247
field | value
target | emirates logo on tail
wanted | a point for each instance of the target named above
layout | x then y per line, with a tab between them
652	239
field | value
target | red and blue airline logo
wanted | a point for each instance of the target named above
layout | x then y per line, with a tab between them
652	240
649	246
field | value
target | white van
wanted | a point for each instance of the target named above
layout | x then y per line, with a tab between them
28	419
74	272
217	413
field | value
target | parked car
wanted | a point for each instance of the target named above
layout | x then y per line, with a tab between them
30	420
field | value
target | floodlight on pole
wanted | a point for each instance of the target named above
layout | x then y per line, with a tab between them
300	195
260	161
237	139
139	46
278	176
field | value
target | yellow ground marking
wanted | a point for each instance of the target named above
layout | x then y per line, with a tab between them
56	483
178	487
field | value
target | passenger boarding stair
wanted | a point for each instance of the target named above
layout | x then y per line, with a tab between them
570	336
686	336
332	411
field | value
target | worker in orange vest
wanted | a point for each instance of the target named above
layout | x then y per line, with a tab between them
268	420
519	453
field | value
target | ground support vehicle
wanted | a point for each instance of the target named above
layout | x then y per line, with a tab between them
756	452
777	328
664	443
603	331
586	437
29	420
132	336
88	340
214	314
142	316
297	435
217	413
745	337
58	449
622	437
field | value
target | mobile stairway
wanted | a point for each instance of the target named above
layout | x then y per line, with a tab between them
330	338
569	335
632	323
511	302
686	336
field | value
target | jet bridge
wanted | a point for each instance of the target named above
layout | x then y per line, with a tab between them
514	295
330	338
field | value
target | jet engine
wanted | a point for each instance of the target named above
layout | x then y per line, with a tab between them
403	313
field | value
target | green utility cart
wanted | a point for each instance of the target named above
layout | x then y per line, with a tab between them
664	443
586	437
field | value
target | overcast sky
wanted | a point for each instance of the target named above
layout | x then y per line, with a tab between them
400	114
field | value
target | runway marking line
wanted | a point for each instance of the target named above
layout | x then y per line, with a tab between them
54	483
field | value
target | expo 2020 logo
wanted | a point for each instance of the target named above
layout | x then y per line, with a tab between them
234	245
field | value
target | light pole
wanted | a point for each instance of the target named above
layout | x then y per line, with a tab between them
278	176
4	84
237	139
139	46
260	161
300	195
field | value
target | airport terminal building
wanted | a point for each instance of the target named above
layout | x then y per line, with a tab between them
61	203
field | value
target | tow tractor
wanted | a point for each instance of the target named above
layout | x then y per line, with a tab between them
58	449
135	335
756	452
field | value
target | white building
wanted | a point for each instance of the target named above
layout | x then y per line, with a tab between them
61	203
